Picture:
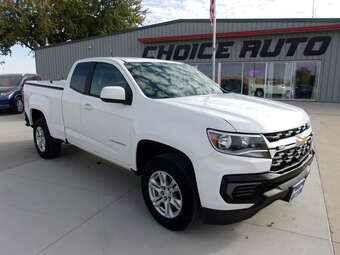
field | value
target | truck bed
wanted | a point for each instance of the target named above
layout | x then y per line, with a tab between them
46	96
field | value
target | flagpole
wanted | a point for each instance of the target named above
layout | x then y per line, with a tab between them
214	47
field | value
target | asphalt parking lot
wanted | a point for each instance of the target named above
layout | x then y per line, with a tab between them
80	204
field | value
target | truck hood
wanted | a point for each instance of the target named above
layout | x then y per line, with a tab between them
246	114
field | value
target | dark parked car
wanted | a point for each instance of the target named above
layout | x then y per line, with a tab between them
231	85
11	91
304	91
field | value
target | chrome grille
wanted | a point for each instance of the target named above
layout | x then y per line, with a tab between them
286	159
273	137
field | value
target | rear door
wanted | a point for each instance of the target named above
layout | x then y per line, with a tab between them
71	102
107	126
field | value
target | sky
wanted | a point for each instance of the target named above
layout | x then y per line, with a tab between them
22	59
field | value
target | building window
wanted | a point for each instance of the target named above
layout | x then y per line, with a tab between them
276	80
305	79
254	77
206	69
231	77
279	81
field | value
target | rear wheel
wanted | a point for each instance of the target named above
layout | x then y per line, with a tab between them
46	145
169	191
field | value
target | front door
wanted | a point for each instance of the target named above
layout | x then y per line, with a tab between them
107	126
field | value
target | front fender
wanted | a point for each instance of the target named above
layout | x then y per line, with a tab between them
13	96
182	147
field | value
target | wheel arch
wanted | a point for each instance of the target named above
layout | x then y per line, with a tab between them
14	96
35	114
259	90
148	149
18	96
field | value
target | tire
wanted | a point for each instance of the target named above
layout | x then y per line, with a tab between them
18	106
46	145
259	93
176	169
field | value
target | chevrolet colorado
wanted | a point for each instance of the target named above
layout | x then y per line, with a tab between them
203	155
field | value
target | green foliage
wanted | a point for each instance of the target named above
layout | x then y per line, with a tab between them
35	23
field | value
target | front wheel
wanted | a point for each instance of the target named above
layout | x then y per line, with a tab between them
169	192
259	93
46	145
18	106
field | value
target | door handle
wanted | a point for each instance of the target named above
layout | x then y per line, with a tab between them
88	107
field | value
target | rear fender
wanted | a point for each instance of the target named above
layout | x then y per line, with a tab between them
41	104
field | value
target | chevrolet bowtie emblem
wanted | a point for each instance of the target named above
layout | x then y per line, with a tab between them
301	141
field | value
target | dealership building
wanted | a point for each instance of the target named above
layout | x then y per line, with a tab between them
286	59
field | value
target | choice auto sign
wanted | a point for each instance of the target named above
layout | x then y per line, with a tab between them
310	46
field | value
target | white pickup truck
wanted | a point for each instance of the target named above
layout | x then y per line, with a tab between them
202	155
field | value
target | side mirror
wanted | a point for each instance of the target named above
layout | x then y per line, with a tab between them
112	94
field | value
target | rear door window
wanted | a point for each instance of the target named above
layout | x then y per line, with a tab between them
79	77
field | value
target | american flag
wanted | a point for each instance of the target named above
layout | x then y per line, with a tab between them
212	10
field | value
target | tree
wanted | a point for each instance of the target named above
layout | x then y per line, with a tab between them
36	23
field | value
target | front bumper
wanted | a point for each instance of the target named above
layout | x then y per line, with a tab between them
5	103
269	188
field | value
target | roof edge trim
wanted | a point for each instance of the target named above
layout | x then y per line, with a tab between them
241	33
326	20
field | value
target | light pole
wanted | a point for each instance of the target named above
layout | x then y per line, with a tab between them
2	64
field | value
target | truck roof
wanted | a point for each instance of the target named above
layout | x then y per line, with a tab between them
18	74
128	59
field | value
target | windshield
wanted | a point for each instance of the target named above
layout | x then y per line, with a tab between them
9	81
167	80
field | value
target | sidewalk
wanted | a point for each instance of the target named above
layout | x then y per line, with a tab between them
326	124
80	204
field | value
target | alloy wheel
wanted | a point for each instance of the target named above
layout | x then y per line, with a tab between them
20	105
40	139
165	194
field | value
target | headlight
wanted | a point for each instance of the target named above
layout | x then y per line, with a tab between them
4	94
239	144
